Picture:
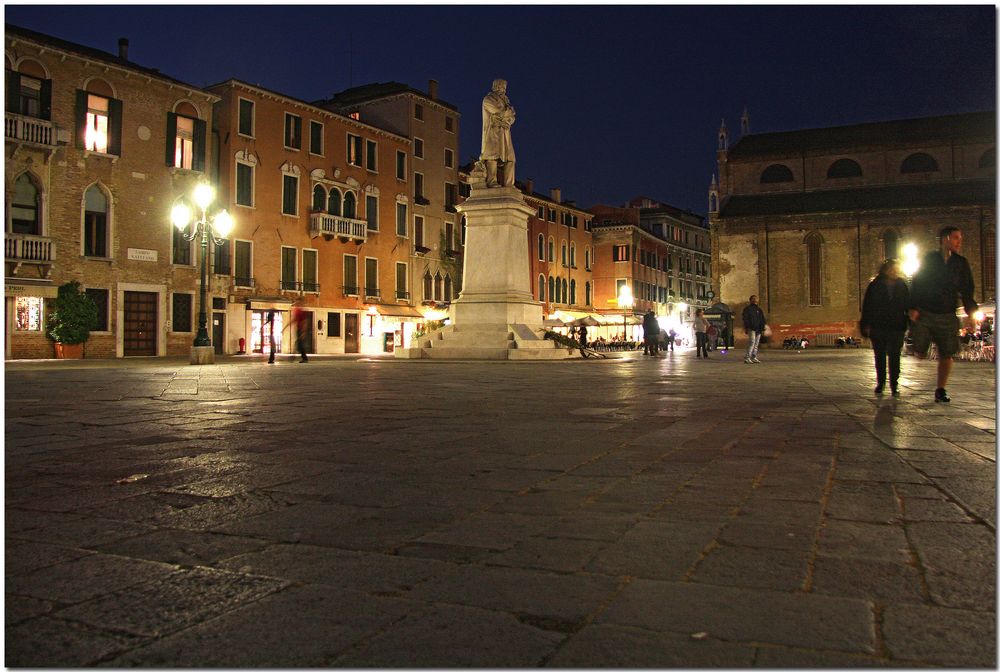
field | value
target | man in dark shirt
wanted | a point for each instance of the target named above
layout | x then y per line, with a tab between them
753	326
943	278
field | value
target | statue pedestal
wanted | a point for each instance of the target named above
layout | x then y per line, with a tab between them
496	316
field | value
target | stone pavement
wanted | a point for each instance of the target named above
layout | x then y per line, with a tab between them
625	512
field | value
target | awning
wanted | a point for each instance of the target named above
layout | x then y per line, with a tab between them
389	310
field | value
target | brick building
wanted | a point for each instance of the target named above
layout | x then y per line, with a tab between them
804	218
437	230
97	151
322	210
560	250
660	252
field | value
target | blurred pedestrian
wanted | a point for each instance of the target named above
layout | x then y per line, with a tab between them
270	321
650	334
944	278
583	335
701	333
302	336
753	325
884	321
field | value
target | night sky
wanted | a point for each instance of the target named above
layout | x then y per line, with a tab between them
612	102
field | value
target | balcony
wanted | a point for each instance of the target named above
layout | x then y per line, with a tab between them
372	293
402	295
336	226
29	130
24	249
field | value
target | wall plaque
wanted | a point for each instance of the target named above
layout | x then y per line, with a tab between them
139	254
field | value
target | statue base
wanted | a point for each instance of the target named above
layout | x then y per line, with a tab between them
496	316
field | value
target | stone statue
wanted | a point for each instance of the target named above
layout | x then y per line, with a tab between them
498	117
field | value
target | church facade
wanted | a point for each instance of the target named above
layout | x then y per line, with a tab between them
803	219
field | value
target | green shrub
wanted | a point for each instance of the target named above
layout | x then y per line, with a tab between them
73	316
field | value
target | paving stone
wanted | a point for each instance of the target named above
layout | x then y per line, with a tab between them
309	522
874	580
933	510
177	601
182	547
775	569
318	623
624	647
560	597
559	554
745	615
804	659
19	608
949	637
591	527
86	532
763	535
655	550
27	556
493	530
367	572
844	538
464	636
86	578
54	643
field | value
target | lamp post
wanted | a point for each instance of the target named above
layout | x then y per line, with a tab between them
625	301
214	228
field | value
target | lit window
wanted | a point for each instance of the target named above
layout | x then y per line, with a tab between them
96	138
29	313
184	143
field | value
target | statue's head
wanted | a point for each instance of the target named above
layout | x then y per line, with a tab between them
500	85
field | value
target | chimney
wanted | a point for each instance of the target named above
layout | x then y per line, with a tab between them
123	48
556	194
529	186
432	89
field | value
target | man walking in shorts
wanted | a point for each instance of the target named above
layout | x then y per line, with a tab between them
944	277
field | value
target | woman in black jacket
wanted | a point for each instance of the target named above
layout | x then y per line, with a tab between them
884	321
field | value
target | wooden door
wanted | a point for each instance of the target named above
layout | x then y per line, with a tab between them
351	332
218	332
140	323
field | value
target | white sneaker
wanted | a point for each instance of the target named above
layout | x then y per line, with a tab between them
755	361
746	361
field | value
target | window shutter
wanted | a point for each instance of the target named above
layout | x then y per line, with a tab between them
198	160
13	92
115	122
81	119
171	138
46	99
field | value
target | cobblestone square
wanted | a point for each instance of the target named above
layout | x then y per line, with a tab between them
626	512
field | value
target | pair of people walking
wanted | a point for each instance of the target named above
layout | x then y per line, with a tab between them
943	280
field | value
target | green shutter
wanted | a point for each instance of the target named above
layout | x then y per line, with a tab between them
46	100
13	92
171	139
198	160
115	122
81	119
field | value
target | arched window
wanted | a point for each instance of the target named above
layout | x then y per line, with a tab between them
775	173
843	168
350	205
447	288
587	289
552	290
319	198
586	258
428	286
565	259
814	263
552	249
95	223
572	255
333	203
541	288
541	247
989	158
919	163
564	292
572	292
890	243
24	209
438	287
713	203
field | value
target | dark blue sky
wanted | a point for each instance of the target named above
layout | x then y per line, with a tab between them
612	102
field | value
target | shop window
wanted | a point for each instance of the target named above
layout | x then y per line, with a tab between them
28	313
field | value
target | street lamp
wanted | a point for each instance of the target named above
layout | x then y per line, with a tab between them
911	259
216	228
625	301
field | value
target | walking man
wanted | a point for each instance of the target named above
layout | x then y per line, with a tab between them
944	278
753	326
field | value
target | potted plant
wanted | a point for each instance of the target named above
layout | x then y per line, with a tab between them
73	316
